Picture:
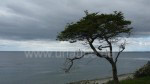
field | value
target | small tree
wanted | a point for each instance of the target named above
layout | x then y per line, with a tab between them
107	29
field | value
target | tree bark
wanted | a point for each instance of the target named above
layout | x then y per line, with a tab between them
114	72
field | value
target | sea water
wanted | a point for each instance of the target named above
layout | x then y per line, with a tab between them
18	68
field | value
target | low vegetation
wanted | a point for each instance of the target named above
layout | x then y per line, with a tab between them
142	80
143	72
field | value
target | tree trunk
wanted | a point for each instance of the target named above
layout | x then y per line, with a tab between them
114	72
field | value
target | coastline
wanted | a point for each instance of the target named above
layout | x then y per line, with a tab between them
103	80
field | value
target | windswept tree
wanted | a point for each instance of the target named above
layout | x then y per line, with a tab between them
107	29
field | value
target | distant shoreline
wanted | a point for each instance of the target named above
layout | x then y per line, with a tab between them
102	80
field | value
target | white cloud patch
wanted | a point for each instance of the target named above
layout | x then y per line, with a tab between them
12	45
133	44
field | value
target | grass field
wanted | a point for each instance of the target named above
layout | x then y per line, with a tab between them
143	80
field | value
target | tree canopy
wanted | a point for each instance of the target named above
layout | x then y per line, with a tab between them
96	26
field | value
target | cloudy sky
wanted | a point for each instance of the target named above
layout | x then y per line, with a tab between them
34	24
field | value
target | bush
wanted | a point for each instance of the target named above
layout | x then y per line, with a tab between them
144	71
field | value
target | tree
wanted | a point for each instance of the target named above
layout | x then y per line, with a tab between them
107	29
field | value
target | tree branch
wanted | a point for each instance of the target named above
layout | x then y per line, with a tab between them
122	47
95	51
110	46
71	60
100	47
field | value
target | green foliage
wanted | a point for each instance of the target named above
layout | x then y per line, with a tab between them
144	71
143	80
96	26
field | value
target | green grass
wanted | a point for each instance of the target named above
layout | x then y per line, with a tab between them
143	80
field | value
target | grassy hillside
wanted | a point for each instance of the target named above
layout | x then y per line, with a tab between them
143	80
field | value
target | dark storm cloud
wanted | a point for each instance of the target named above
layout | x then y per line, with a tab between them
43	19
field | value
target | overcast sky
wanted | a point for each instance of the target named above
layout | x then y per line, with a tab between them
34	24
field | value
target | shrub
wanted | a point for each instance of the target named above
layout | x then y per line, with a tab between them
143	71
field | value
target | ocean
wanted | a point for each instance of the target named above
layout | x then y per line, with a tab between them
18	68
